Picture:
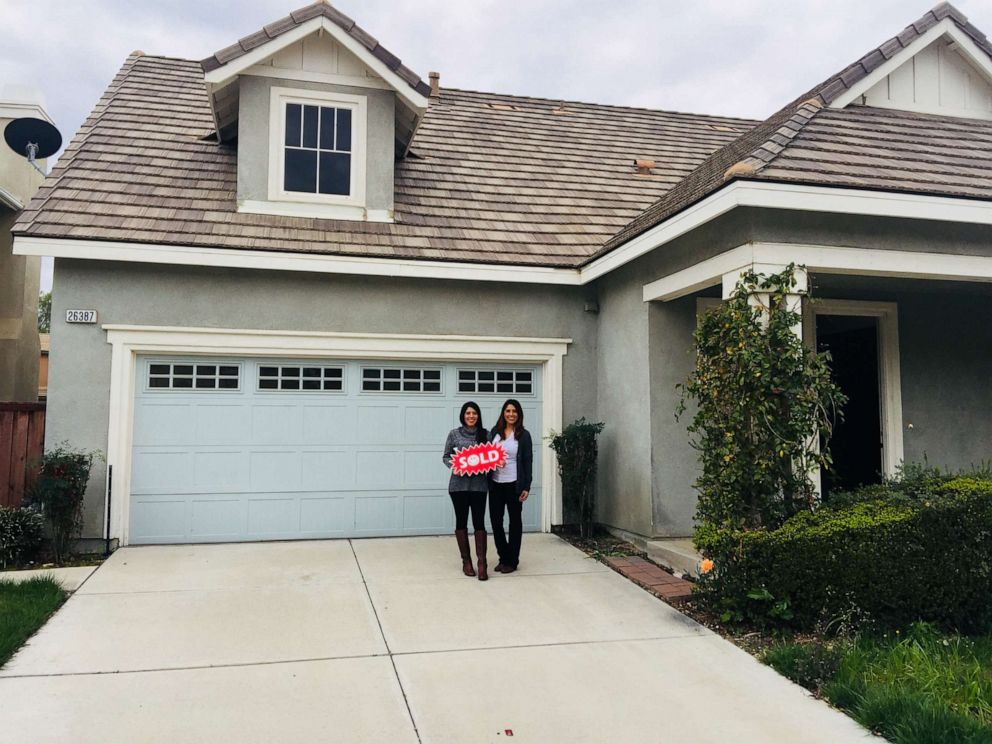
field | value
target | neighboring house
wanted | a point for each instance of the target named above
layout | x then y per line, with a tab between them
290	317
20	276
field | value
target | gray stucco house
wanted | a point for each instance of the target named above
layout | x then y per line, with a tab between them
303	258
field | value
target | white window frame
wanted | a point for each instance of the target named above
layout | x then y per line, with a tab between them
402	368
192	390
278	390
358	105
495	370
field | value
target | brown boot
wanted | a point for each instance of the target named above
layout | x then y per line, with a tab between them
462	537
480	550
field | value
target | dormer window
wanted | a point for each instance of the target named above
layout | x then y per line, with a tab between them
317	159
317	147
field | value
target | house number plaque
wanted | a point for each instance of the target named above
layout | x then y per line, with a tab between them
80	316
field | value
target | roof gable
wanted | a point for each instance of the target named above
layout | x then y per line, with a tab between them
330	42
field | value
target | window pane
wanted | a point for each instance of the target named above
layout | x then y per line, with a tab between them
182	382
411	374
335	173
229	371
344	130
159	369
504	387
465	387
266	384
466	374
182	369
158	382
332	384
487	375
432	374
310	126
203	369
265	371
206	382
228	383
311	371
326	128
290	371
311	384
523	387
290	384
301	171
391	385
294	118
370	385
391	374
504	375
369	373
485	387
523	376
432	387
411	386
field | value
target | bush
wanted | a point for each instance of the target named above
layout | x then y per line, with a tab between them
22	534
576	450
891	562
59	491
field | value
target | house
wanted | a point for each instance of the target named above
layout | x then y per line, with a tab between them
303	258
20	276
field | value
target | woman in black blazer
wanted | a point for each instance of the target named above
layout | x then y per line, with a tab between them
509	486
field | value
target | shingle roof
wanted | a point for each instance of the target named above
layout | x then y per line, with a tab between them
301	16
805	142
491	178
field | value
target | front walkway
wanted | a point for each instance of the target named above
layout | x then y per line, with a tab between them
385	641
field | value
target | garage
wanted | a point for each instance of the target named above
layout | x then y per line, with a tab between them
236	449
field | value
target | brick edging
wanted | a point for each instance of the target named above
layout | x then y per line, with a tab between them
651	577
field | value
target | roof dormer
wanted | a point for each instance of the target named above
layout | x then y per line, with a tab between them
320	112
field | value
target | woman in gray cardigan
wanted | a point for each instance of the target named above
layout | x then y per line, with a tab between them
468	492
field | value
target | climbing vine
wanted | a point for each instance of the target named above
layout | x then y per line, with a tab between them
765	408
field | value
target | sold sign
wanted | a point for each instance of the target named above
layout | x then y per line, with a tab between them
477	459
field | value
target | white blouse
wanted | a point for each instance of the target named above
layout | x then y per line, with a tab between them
507	473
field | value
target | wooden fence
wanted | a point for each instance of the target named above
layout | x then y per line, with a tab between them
22	441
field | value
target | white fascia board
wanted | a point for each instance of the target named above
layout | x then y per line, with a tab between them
10	200
947	27
278	261
825	260
227	73
15	110
771	195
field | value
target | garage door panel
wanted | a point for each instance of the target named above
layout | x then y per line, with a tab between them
165	423
157	471
218	519
222	424
222	471
378	514
329	424
379	424
248	464
275	471
274	516
327	469
276	424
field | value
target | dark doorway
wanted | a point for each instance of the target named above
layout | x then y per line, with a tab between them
857	442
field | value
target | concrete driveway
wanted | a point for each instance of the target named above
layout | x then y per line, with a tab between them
385	641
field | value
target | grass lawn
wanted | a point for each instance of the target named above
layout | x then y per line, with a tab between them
24	607
923	687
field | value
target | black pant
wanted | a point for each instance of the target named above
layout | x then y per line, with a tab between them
462	501
504	495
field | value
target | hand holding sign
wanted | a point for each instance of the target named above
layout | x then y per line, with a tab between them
478	459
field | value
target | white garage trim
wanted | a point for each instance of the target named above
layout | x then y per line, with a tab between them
129	341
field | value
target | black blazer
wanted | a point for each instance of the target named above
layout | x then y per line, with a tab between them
525	458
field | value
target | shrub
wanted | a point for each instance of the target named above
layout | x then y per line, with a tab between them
22	534
576	450
58	491
890	562
765	408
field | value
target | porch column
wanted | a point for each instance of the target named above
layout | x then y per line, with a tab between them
793	300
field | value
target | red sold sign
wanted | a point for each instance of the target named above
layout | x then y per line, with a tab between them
479	458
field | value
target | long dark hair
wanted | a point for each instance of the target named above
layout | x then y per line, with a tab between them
517	427
480	430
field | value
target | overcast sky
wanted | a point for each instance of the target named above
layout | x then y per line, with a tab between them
733	57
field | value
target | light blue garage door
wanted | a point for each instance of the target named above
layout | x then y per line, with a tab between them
232	449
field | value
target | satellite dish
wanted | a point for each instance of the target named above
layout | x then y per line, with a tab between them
32	139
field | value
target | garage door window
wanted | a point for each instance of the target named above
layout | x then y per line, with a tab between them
296	377
398	380
505	381
176	376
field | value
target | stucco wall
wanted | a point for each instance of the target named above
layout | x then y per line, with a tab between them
253	137
78	407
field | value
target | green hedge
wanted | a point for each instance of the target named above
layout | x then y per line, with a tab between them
891	562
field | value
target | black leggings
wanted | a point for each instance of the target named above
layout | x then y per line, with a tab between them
462	501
